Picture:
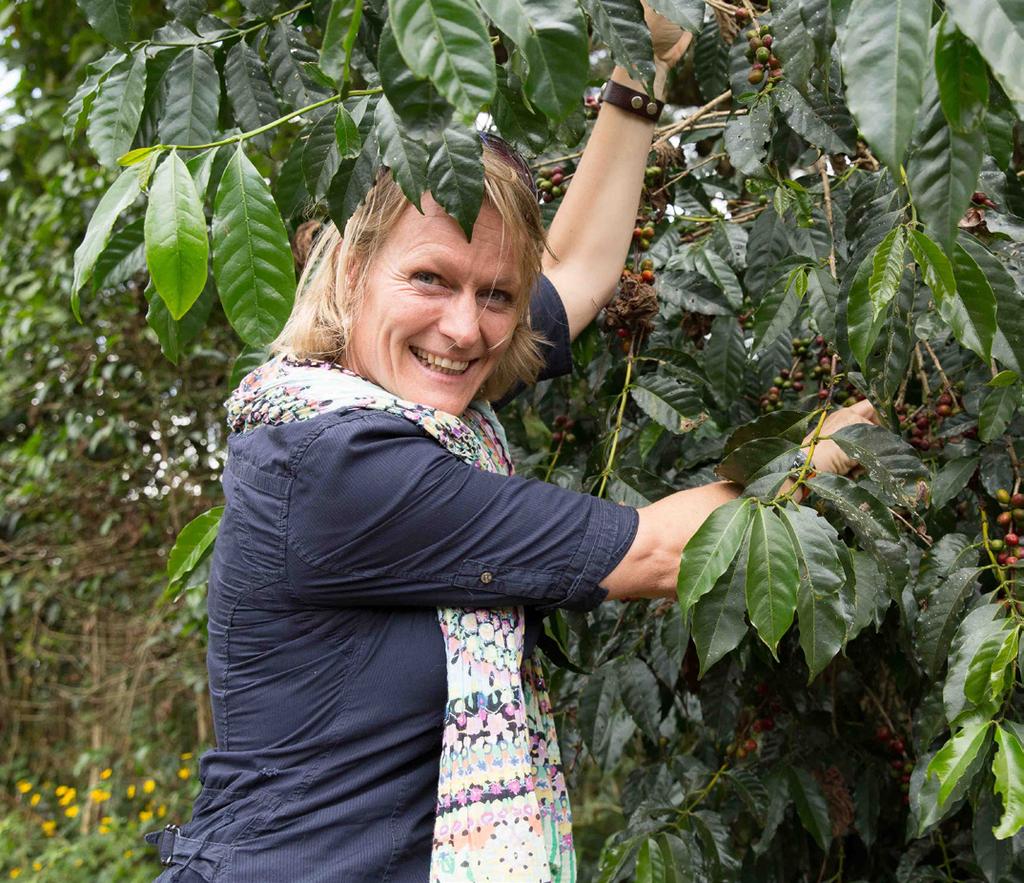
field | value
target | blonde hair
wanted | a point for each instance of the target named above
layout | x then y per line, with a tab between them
327	306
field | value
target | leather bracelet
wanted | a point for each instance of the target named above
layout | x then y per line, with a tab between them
638	103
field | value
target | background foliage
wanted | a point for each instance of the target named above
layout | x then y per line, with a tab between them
832	210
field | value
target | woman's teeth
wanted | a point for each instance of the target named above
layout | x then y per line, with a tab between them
439	363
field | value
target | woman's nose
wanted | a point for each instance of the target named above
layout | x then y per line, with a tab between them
460	321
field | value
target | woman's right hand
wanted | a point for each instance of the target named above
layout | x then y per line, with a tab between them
828	456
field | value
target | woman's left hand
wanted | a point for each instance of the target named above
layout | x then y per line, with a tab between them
828	456
670	41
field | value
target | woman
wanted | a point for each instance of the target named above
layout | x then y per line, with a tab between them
379	579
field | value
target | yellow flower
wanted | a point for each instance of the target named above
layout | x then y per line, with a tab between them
106	820
37	866
34	799
145	815
130	791
49	827
15	873
68	796
98	795
161	811
149	786
71	811
61	790
184	772
104	829
106	773
24	787
128	853
187	755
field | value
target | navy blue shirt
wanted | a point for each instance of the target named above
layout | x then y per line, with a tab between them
341	537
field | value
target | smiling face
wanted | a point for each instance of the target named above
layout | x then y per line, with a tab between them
438	312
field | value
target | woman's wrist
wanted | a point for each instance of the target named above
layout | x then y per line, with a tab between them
621	76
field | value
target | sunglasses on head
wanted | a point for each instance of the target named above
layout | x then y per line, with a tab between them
511	156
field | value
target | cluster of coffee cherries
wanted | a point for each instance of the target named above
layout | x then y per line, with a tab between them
922	423
553	183
643	233
765	64
754	722
790	383
646	270
1009	548
563	430
900	763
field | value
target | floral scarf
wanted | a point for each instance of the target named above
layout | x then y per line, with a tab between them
502	806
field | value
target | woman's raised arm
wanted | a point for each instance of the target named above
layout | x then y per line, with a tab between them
591	232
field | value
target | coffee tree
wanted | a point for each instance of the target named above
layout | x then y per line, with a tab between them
831	212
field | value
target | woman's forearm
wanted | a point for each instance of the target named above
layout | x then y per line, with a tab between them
592	230
651	566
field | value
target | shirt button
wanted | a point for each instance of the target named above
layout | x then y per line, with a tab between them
486	577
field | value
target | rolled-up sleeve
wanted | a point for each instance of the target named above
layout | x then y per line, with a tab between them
380	513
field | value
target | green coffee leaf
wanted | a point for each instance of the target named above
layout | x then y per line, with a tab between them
861	510
447	41
938	621
193	99
962	77
124	256
352	182
193	544
943	173
805	121
885	58
996	27
719	618
987	673
248	89
725	359
287	52
674	406
117	109
421	107
1008	769
620	25
252	258
887	269
711	549
176	245
772	577
811	806
688	14
321	157
971	313
952	479
974	629
112	18
122	193
789	425
889	460
819	603
935	267
1008	342
756	457
340	34
406	157
640	695
174	334
714	267
997	411
775	314
956	756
